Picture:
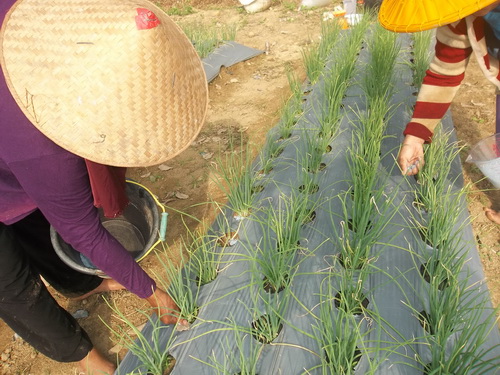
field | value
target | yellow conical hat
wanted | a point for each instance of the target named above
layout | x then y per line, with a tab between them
418	15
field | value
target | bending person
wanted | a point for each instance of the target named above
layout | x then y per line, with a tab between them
464	28
83	86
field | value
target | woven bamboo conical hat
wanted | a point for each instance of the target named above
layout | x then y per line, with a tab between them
419	15
114	81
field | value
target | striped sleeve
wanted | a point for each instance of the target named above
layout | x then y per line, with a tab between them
442	80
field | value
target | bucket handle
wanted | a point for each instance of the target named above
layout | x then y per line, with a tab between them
163	221
163	225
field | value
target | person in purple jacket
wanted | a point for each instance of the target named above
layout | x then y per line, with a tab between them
83	86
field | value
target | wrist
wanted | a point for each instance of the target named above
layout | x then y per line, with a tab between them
412	139
418	130
154	294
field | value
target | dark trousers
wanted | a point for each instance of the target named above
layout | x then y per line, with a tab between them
26	305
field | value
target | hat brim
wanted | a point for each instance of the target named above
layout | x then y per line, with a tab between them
418	15
102	82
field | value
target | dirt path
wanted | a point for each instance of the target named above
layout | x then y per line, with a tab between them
245	99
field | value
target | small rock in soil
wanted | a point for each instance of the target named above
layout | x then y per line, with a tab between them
180	195
206	155
4	357
80	314
164	167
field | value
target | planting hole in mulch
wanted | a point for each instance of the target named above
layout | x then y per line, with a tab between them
327	149
424	237
238	216
362	48
262	324
265	171
419	205
340	302
308	219
310	189
284	137
350	225
355	359
201	282
346	263
281	247
192	317
278	152
428	368
169	366
319	168
228	239
322	134
431	267
269	288
257	189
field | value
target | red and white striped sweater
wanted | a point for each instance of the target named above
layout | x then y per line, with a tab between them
454	45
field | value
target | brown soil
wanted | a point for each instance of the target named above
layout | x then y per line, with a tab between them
245	100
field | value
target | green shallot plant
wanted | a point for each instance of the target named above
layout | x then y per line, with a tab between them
335	87
287	219
456	319
177	280
421	55
268	320
316	56
271	150
276	266
366	208
384	50
276	255
205	256
438	228
338	332
316	146
237	179
206	38
350	48
241	357
152	349
461	351
292	110
433	178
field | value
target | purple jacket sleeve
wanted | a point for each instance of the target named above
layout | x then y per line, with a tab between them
58	184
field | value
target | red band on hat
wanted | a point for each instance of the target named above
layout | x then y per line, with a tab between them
146	19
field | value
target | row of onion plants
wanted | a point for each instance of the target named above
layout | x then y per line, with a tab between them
366	208
420	55
456	317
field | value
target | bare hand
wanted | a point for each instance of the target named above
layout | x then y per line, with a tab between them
167	310
411	155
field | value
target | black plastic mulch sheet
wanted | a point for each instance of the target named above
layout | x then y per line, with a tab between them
390	292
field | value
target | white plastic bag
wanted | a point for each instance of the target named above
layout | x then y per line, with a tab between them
254	6
314	3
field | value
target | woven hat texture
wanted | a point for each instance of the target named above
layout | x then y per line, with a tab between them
114	81
418	15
